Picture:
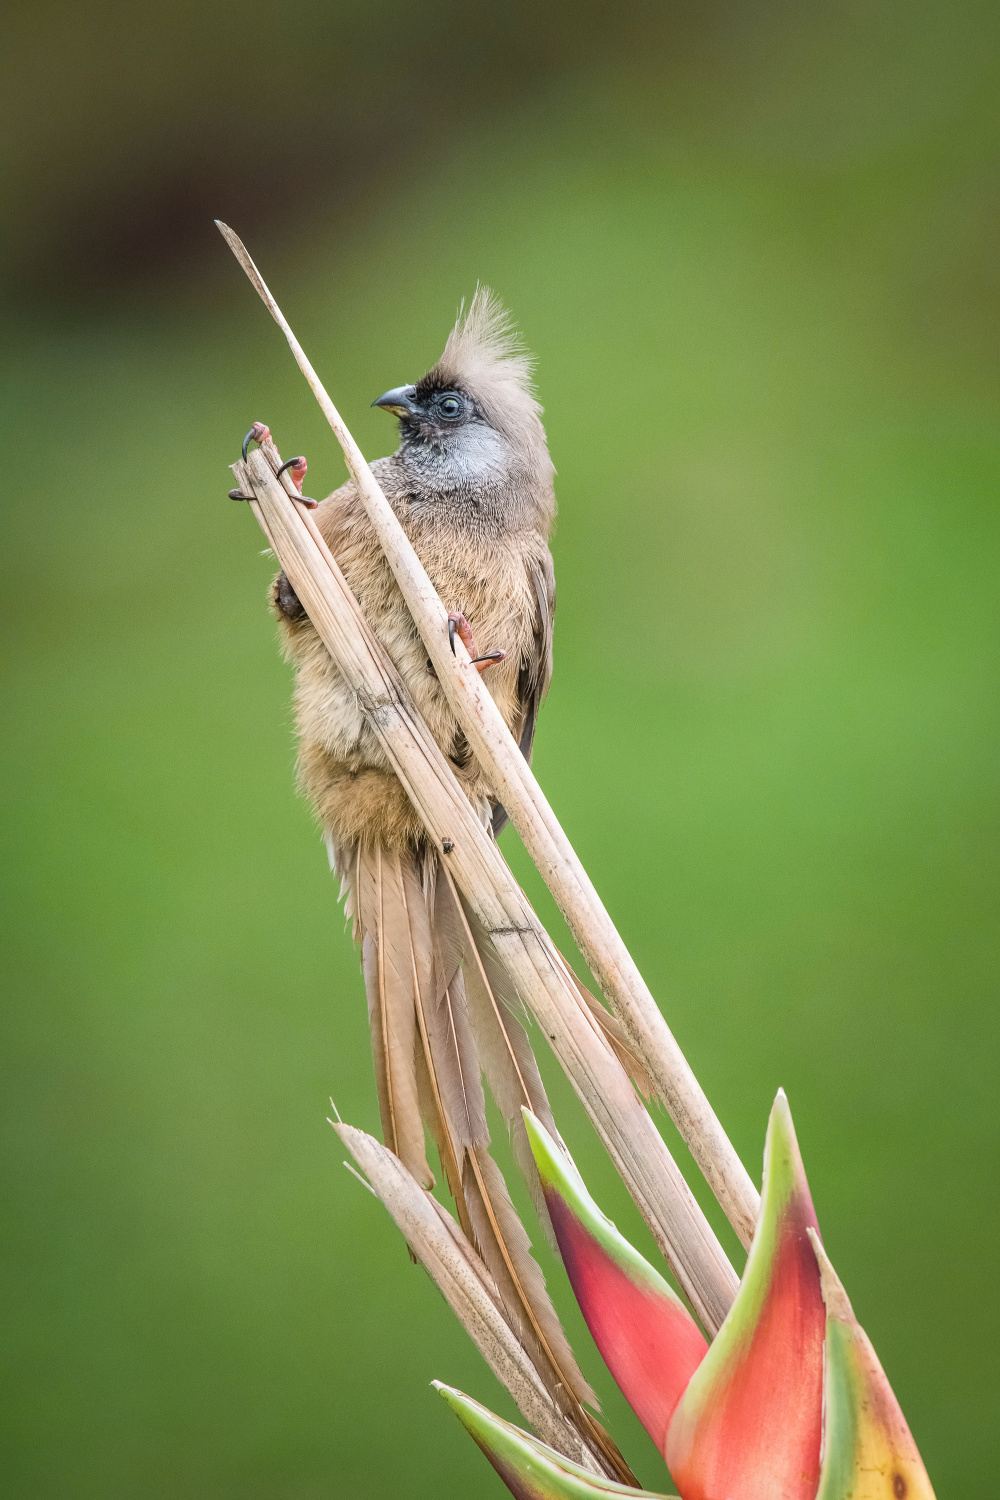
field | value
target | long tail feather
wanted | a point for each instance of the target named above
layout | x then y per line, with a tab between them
504	1049
439	1097
454	1062
390	1010
453	1057
618	1040
443	1012
506	1249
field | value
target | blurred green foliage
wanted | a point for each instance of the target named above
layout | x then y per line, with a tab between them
758	268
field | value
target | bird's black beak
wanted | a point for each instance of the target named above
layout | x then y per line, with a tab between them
399	401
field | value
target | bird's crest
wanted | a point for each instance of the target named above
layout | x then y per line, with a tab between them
485	356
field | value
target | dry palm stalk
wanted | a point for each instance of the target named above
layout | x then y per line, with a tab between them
474	861
596	935
463	1279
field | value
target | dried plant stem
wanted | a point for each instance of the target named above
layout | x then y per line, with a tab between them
534	964
464	1281
512	779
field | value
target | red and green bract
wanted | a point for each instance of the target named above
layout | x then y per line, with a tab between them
647	1338
789	1402
750	1422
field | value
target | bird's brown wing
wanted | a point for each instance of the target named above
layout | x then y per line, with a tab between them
536	665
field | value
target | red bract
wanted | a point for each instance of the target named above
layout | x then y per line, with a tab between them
647	1338
749	1424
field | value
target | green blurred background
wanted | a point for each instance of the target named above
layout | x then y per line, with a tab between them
755	250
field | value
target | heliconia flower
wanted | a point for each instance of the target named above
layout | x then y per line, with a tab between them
647	1338
868	1452
530	1469
748	1427
788	1403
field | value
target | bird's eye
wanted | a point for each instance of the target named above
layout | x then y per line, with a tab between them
451	407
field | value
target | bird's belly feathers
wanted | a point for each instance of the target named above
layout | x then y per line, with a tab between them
491	587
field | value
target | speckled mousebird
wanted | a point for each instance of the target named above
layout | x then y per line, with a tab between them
472	484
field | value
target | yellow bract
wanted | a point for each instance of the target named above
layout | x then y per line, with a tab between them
868	1451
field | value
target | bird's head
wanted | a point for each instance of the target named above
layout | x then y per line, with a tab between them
473	419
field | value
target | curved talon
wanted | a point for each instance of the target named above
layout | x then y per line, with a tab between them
297	471
293	463
239	495
257	434
459	625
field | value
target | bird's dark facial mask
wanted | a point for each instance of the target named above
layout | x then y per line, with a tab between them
426	412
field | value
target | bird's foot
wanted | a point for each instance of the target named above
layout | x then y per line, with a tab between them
459	625
296	471
285	600
260	433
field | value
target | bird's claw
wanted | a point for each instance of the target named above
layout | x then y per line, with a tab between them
459	625
259	433
296	471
